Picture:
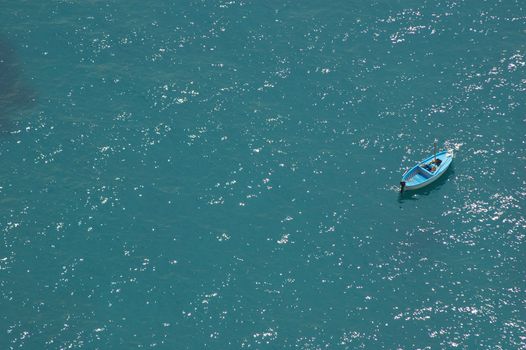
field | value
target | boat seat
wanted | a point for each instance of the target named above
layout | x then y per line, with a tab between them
419	177
427	174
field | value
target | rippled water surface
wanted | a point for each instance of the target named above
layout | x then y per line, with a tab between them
223	174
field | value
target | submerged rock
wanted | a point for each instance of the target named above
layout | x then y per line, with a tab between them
15	93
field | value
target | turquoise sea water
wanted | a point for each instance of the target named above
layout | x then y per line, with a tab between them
224	174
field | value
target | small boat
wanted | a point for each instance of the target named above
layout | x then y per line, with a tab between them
427	171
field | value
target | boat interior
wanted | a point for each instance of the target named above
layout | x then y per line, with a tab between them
420	174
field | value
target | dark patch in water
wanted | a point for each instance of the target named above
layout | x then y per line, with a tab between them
15	93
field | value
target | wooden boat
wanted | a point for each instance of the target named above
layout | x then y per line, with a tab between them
427	171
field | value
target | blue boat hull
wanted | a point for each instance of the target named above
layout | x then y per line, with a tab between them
427	171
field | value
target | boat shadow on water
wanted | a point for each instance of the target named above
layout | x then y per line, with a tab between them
424	191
